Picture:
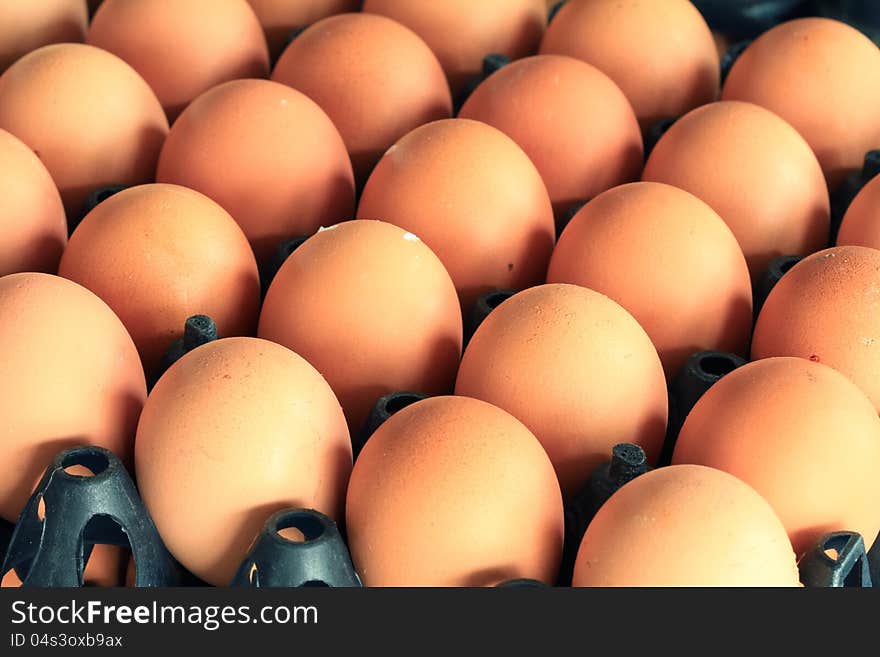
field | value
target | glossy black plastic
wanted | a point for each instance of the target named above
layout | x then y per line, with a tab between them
837	560
67	514
843	196
655	132
197	330
320	559
775	271
281	254
741	19
731	55
491	63
384	408
484	305
627	462
92	201
700	372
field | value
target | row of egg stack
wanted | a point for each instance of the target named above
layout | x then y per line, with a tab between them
387	220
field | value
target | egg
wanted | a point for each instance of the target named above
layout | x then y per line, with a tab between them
182	49
802	435
571	120
235	430
861	223
372	308
576	369
71	376
700	295
375	79
685	525
157	254
26	26
661	54
280	18
266	153
823	77
33	227
765	181
825	309
461	32
106	566
452	491
88	116
474	197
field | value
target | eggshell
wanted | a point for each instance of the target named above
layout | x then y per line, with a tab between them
71	376
699	296
33	228
88	116
827	309
823	77
571	120
268	154
462	32
685	525
157	254
765	181
235	430
372	308
576	369
280	18
106	566
26	26
375	79
802	435
452	491
475	198
861	223
182	49
661	54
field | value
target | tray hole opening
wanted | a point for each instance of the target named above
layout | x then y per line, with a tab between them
316	583
717	365
299	528
105	557
85	463
254	575
399	402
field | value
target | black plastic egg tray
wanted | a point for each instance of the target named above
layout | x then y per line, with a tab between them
68	514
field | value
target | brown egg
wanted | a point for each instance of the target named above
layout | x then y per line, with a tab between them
576	369
765	181
182	49
376	79
26	26
861	223
823	77
268	155
661	54
280	18
106	566
157	254
88	116
699	296
453	491
32	225
71	376
235	430
372	308
827	309
474	197
462	32
802	435
571	120
685	525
